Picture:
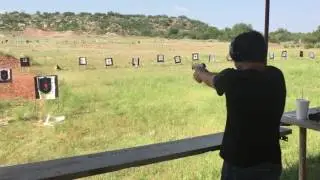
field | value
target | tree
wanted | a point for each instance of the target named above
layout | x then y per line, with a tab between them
66	14
240	28
173	31
281	35
226	34
311	38
213	33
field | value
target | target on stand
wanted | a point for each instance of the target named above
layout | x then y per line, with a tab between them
212	58
284	54
5	75
160	58
195	56
46	87
109	62
312	55
271	56
83	61
25	62
301	54
177	59
135	62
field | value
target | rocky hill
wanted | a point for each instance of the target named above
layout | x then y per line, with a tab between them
139	25
101	23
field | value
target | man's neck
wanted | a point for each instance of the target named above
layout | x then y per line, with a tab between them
250	65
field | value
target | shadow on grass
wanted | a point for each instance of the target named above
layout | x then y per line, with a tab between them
313	169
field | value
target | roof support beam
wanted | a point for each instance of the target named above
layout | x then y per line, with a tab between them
266	25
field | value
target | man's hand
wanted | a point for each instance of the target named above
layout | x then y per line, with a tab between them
197	77
198	69
201	74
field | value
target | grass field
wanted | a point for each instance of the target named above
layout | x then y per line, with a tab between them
120	107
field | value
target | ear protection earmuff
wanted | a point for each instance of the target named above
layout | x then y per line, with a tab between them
234	54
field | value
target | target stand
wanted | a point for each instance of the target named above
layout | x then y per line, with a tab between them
83	62
301	54
5	75
25	64
46	88
212	58
177	59
108	62
312	55
160	58
271	56
284	55
195	57
135	62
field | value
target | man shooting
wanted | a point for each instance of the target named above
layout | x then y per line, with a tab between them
255	100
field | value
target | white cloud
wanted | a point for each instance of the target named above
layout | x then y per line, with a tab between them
181	9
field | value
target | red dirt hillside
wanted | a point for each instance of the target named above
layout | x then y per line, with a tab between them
22	85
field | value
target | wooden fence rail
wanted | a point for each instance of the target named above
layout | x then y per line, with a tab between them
94	164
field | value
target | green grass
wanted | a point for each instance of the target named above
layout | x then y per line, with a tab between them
122	107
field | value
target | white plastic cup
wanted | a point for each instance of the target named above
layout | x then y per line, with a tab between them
302	109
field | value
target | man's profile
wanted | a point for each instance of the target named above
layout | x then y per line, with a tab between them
255	100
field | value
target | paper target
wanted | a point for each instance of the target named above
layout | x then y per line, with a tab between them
301	54
83	61
109	62
284	54
271	55
312	55
177	59
46	87
195	56
25	62
5	75
212	57
135	62
160	58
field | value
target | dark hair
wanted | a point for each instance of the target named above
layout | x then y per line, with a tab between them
249	47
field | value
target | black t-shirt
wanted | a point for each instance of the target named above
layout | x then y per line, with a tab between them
255	103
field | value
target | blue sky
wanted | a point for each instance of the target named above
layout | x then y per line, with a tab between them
294	15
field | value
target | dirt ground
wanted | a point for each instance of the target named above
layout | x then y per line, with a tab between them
31	32
22	85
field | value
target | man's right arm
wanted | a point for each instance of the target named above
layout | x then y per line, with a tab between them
222	80
219	81
206	77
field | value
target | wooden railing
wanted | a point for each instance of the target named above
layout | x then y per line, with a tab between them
105	162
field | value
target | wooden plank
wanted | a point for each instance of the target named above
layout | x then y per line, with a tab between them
81	166
93	164
290	118
302	153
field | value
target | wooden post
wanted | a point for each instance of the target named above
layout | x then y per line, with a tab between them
40	108
302	153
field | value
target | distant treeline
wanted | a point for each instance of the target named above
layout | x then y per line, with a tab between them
141	25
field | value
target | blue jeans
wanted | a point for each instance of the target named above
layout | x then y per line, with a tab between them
265	171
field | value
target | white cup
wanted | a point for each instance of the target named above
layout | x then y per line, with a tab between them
302	109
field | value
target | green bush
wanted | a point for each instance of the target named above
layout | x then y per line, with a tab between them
317	45
6	54
308	46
